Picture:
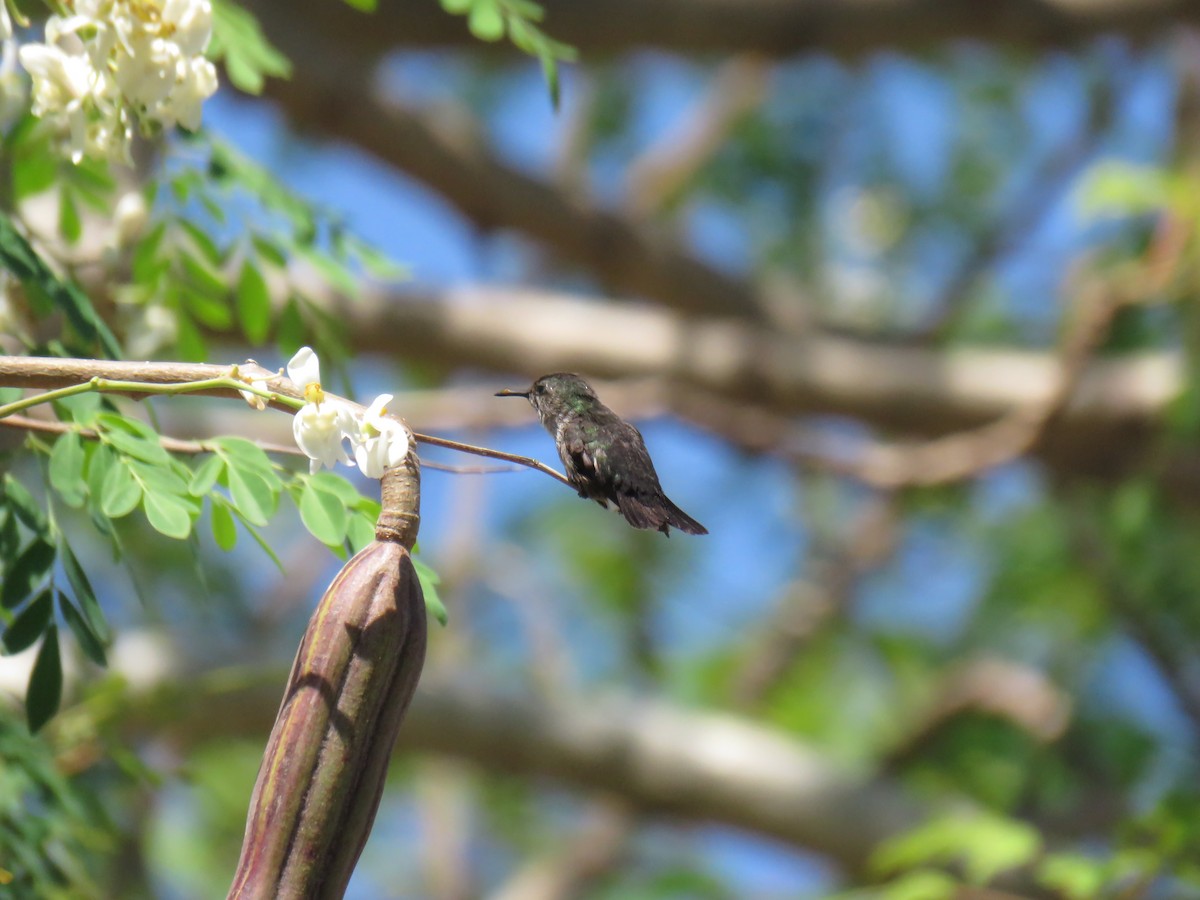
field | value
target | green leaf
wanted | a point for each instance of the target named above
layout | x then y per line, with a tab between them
85	597
252	495
486	21
242	454
205	278
28	510
45	682
223	527
269	250
983	843
248	56
70	228
111	421
148	450
333	271
162	480
26	571
323	514
167	515
66	469
213	311
19	258
360	531
429	582
121	493
266	548
367	6
456	7
209	251
206	476
146	264
34	165
30	624
88	642
253	304
1073	875
338	486
189	340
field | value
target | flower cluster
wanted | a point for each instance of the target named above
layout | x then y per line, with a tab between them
321	427
115	64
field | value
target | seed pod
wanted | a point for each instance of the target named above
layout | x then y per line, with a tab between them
324	768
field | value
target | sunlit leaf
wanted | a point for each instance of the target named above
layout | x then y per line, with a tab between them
66	469
167	515
224	529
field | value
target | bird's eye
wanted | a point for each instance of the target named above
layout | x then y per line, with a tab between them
539	389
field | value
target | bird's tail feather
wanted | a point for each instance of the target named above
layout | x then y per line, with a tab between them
660	515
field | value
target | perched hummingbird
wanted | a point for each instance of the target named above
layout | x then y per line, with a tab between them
605	457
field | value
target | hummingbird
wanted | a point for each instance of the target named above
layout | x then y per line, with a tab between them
605	457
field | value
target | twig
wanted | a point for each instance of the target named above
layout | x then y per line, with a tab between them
491	454
587	856
738	87
1115	590
953	457
810	603
59	378
1015	227
178	445
1011	691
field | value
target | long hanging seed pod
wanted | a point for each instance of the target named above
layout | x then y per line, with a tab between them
324	768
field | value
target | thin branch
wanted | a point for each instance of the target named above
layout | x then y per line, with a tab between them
171	444
1014	227
492	454
457	162
591	852
1017	693
65	377
178	445
1132	613
837	567
738	87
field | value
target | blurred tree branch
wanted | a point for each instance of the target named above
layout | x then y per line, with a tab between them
658	758
781	27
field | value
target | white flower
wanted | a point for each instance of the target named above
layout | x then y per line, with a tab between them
321	426
320	430
6	31
59	78
191	24
61	84
198	84
115	64
13	88
381	442
305	371
129	218
257	400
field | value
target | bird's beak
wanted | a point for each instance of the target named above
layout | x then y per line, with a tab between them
508	393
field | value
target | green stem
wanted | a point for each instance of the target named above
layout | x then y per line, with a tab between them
108	386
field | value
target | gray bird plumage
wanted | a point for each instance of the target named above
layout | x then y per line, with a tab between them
605	457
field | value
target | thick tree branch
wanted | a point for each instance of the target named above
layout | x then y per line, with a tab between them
450	155
725	370
781	27
656	757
